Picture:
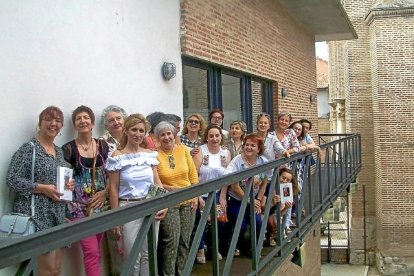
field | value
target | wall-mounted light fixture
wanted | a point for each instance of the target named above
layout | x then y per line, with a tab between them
168	70
284	92
312	98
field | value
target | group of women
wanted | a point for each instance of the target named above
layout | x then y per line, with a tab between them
136	155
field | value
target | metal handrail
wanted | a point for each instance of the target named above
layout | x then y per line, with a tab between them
318	197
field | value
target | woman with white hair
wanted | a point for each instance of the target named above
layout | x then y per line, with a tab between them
176	170
112	119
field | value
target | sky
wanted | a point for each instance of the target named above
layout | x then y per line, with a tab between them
321	50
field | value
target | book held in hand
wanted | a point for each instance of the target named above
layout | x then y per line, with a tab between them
63	176
286	192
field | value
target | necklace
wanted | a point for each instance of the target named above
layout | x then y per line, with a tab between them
85	148
170	157
248	163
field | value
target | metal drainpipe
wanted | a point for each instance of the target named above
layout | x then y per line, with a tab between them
365	228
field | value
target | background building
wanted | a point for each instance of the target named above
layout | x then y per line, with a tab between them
231	54
372	78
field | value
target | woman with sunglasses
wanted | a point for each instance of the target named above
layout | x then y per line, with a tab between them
272	145
176	170
238	130
216	117
191	135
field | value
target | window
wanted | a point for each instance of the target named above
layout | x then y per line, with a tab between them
231	99
241	97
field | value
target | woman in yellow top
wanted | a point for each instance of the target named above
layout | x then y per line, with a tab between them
176	170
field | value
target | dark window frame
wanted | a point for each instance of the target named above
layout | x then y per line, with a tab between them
215	93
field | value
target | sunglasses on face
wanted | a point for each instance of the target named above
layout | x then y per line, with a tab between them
264	114
194	122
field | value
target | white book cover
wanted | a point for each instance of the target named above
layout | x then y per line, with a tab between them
286	192
63	176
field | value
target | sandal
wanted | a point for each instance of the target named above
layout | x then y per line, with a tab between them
201	257
272	242
219	257
236	253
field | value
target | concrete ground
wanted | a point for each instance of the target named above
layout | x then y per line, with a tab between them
343	270
348	270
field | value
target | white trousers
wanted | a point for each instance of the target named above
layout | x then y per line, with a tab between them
130	232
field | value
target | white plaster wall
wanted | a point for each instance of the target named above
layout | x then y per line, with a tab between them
95	53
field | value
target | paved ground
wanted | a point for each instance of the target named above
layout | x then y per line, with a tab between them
348	270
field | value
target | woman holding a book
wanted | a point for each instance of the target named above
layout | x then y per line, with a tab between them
132	170
211	162
87	157
48	157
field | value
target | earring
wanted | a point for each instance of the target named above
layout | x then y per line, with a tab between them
59	134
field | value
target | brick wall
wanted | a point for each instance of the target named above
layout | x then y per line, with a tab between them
393	82
378	86
354	81
313	256
257	37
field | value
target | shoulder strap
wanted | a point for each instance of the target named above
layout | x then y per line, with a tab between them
32	205
32	202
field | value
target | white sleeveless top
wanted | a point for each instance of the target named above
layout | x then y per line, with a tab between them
213	165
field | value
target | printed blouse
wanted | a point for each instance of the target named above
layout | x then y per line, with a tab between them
237	164
48	213
188	143
82	173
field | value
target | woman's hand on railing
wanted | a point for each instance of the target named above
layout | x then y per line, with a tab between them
160	215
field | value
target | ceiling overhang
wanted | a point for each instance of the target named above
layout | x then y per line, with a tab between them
327	19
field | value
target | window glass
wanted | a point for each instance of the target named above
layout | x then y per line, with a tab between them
231	100
195	96
257	101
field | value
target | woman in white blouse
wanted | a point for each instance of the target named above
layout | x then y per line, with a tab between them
132	169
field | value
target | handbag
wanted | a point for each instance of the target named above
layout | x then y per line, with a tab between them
90	210
155	190
16	225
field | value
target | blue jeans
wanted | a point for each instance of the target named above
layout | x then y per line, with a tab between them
233	210
220	225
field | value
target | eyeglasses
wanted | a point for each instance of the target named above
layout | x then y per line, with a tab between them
171	159
50	120
217	118
264	114
194	122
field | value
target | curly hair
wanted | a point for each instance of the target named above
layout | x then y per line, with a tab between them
294	181
203	124
113	108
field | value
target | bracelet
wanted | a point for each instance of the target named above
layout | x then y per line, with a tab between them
259	200
106	192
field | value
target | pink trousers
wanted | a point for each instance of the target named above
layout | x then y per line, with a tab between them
91	247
